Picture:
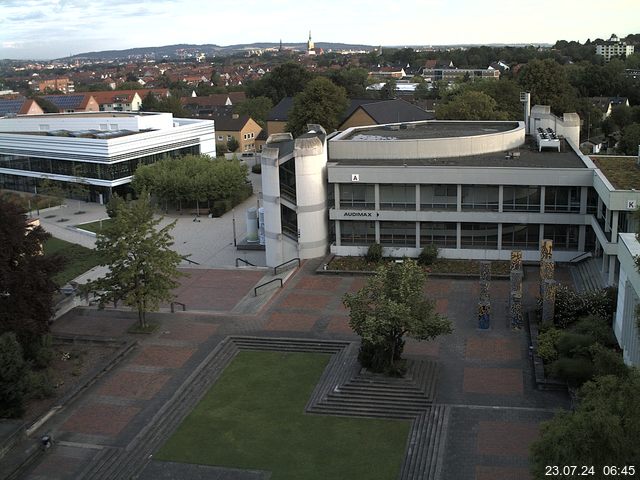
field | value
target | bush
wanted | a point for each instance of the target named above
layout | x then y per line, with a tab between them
574	371
571	344
220	207
13	377
571	306
547	345
257	168
428	255
608	362
374	253
39	384
596	327
568	308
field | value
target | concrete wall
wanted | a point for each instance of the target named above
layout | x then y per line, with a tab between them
86	121
271	204
568	126
625	323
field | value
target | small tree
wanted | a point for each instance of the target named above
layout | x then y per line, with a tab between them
391	305
13	377
233	144
142	267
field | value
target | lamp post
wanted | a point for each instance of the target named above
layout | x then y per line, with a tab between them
233	220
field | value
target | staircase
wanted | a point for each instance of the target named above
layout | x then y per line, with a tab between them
587	276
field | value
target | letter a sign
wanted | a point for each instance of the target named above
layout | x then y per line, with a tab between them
355	177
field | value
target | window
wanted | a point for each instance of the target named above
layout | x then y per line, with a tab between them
438	197
521	199
397	197
357	233
229	137
360	196
398	234
520	236
221	138
480	197
440	234
479	235
564	237
562	199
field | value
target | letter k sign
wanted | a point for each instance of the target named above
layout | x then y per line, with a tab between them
355	177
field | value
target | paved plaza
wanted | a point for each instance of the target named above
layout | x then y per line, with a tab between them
485	378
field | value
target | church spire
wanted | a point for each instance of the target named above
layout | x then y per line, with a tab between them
311	48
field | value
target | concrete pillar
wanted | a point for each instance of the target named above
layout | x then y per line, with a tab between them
612	270
377	231
418	243
582	235
417	197
548	301
605	259
376	196
614	226
271	204
459	200
542	195
338	234
500	201
500	235
607	221
458	236
336	195
599	210
584	192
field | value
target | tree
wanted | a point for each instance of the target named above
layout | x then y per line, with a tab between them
353	80
390	306
603	430
233	144
257	108
26	285
142	267
547	81
150	103
630	140
46	105
388	90
470	105
321	102
13	377
285	80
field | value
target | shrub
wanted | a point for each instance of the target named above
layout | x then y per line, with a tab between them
374	253
428	255
13	377
571	344
608	362
597	327
568	308
257	168
571	306
574	371
43	352
39	384
220	207
547	345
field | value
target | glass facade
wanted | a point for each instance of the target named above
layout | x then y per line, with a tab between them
480	197
520	199
357	233
289	220
438	197
287	174
357	196
562	199
397	196
520	236
97	171
565	237
442	234
398	234
479	235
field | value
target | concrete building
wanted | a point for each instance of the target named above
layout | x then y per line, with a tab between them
614	48
100	149
625	325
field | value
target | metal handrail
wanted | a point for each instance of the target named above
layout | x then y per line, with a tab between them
577	258
173	304
244	261
275	269
255	290
189	260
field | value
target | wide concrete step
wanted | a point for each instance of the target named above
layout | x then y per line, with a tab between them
364	411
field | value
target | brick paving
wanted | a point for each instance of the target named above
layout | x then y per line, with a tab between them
484	376
163	356
493	381
100	419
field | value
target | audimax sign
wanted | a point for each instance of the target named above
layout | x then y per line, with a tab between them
361	214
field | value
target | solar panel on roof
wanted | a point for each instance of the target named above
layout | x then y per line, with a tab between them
65	101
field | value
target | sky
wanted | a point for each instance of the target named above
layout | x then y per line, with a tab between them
46	29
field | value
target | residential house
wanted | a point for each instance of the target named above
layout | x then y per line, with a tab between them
77	102
607	104
369	112
614	48
63	85
118	100
212	104
19	106
241	127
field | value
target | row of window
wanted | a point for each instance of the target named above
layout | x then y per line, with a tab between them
99	171
474	197
472	235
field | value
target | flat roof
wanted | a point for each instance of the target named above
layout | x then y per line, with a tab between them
86	115
622	172
529	157
429	129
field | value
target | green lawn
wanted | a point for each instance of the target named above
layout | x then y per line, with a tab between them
253	418
95	227
79	259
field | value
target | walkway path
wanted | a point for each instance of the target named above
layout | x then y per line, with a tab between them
485	377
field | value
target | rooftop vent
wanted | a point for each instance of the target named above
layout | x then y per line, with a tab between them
392	127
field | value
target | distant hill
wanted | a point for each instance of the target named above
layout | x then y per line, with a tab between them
173	51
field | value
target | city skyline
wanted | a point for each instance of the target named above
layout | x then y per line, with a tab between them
46	29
